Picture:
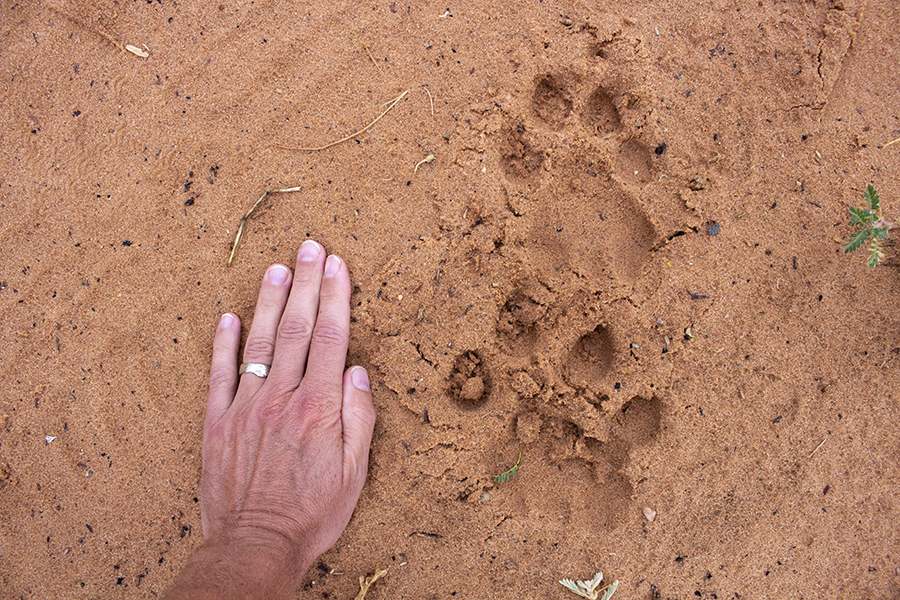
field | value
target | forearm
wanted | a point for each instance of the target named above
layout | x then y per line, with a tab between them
229	572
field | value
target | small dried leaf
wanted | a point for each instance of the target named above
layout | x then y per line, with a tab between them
588	589
610	590
366	582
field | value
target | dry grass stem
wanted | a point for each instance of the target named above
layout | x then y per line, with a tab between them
352	135
374	62
891	142
430	99
366	582
817	448
240	231
99	29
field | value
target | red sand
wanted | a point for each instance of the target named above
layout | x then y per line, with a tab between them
530	290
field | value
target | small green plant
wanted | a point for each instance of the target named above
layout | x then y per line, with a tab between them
870	225
507	475
588	589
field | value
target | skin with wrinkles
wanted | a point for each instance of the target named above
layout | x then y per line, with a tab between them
284	457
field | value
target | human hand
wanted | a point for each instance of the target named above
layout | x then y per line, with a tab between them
284	457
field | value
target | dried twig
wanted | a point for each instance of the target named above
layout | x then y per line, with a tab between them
366	582
240	231
352	135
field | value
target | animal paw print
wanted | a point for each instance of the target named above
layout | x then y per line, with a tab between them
470	381
551	101
520	162
583	207
591	359
518	325
601	115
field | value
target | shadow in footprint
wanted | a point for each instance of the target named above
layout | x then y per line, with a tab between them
519	161
517	326
551	101
470	382
592	357
639	421
600	113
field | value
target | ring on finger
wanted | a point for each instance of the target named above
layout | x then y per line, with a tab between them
258	369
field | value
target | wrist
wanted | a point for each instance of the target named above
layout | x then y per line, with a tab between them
246	568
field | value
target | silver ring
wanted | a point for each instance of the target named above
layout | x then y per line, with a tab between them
258	369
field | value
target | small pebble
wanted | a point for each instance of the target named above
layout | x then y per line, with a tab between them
649	513
714	229
49	438
485	496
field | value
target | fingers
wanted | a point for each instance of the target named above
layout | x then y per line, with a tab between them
358	419
322	381
298	321
260	347
223	376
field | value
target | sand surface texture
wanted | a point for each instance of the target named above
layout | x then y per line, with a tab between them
623	261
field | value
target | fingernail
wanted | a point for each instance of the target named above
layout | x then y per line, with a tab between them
226	321
309	250
332	266
277	274
360	379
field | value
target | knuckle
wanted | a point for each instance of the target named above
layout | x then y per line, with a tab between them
295	328
306	276
221	378
330	334
368	415
269	412
318	398
365	416
259	347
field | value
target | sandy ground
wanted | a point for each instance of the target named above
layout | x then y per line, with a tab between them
624	262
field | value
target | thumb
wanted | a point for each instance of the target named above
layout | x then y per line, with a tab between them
358	420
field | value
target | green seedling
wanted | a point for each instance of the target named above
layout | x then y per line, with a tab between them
507	475
588	589
870	225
